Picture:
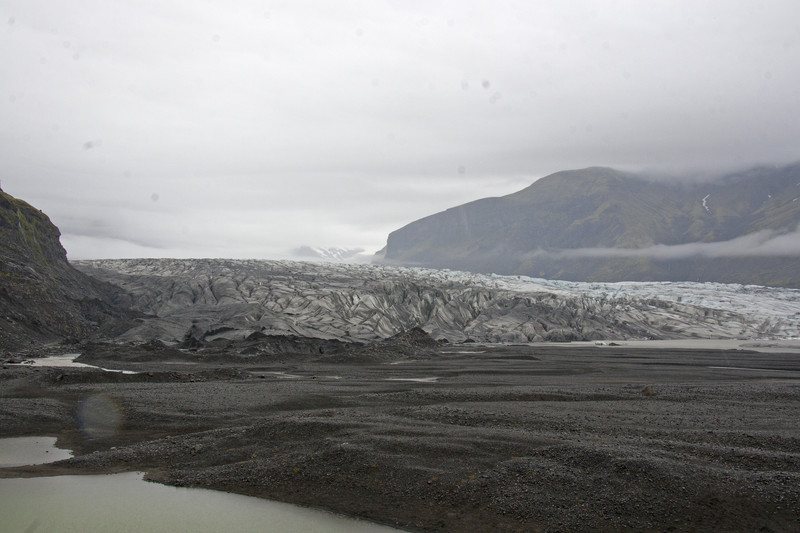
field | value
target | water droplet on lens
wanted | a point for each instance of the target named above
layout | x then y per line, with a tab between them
99	416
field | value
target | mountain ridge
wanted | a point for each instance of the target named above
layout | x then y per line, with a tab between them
42	298
599	208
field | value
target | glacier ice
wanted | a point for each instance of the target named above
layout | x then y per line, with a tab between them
233	298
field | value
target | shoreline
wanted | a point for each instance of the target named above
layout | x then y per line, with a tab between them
758	345
516	438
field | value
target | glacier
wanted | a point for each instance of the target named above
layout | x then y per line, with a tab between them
231	299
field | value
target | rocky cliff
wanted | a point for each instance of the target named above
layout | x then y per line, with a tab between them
42	298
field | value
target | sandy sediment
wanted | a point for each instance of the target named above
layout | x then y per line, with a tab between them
474	438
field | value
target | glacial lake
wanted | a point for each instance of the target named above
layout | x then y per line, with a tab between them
119	503
19	451
65	361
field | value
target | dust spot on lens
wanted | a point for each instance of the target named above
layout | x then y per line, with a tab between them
88	145
154	197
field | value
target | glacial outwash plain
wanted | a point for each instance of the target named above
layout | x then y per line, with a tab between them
428	400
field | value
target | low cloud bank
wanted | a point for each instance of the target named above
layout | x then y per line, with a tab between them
761	243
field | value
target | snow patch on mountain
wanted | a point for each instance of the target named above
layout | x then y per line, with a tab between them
705	203
331	254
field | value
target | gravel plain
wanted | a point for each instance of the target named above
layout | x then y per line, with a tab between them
470	438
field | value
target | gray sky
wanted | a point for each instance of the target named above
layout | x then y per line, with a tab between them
180	128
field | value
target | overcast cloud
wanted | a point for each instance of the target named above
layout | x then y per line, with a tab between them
248	129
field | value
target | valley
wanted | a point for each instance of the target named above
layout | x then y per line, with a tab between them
467	438
422	399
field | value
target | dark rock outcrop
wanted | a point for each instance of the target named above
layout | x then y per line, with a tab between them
42	298
414	343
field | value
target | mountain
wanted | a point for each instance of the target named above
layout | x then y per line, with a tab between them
330	254
283	304
600	224
42	298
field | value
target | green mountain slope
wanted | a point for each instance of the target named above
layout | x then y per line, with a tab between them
42	298
602	224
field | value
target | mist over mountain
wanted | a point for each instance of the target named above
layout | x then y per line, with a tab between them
601	224
43	298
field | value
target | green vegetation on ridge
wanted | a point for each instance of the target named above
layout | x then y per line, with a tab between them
600	224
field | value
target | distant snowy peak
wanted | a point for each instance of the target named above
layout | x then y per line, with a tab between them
331	254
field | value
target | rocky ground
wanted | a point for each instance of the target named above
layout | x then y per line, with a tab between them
468	438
